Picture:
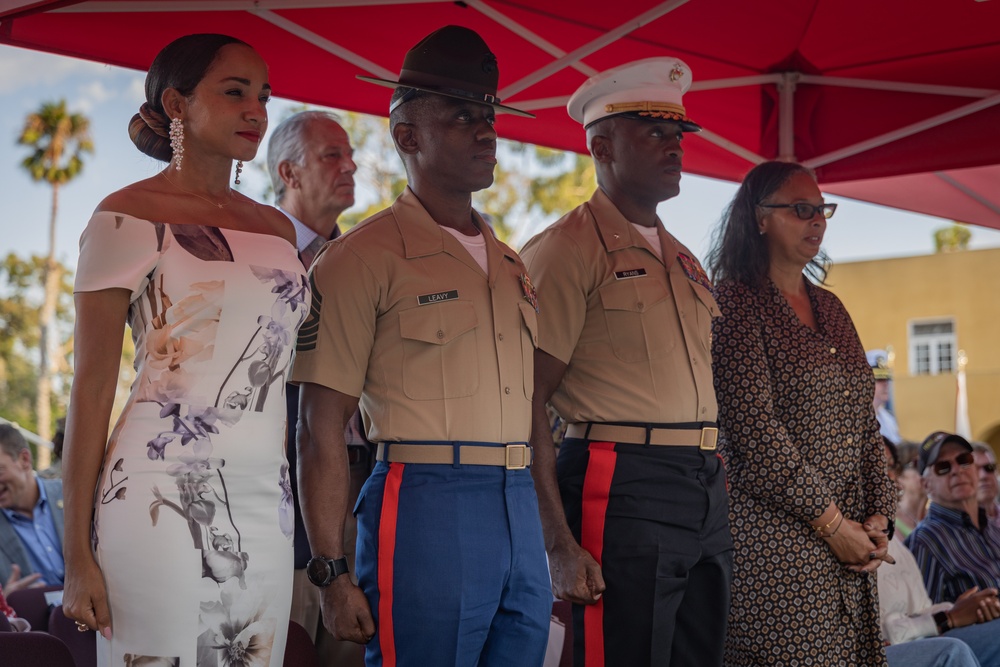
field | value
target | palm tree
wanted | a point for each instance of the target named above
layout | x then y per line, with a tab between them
57	139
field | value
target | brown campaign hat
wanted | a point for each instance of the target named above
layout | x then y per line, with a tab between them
455	62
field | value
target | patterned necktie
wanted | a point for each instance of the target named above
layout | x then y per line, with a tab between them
309	253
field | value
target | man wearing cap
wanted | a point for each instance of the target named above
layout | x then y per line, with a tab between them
955	545
435	338
878	360
623	355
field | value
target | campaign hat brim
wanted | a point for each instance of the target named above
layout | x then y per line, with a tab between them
455	93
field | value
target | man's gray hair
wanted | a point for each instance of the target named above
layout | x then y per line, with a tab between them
11	441
984	448
287	142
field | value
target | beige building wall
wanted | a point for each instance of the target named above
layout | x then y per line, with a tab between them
884	297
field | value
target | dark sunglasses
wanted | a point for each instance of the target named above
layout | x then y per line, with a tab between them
807	211
988	467
964	460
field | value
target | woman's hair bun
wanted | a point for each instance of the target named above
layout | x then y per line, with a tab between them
148	140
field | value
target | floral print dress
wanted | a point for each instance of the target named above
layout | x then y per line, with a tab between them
193	517
797	430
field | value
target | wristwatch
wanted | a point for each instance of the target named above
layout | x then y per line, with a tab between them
942	621
322	571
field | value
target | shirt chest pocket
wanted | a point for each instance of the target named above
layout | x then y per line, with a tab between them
440	357
641	320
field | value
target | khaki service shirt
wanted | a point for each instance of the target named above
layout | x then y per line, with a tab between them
633	330
405	318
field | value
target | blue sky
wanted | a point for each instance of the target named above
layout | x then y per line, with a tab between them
109	96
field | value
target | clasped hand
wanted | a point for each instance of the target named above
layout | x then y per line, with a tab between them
861	547
576	576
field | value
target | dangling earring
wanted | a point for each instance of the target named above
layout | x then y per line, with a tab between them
177	141
239	169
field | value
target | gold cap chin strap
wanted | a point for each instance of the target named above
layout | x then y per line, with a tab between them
662	107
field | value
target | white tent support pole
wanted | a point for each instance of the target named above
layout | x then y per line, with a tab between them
324	44
786	116
28	435
532	37
543	103
732	147
224	5
597	44
896	86
968	192
903	132
735	82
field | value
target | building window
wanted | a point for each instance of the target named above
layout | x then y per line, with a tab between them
932	347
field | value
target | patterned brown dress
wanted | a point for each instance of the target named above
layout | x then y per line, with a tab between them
797	431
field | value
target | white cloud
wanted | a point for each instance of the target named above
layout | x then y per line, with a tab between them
20	68
136	88
92	93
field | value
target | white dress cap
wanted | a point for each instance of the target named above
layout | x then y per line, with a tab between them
649	89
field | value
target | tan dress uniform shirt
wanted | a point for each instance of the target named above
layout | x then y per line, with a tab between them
633	330
405	318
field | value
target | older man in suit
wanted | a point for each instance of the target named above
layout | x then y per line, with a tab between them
31	516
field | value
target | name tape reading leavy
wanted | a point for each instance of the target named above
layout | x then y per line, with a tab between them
425	299
629	273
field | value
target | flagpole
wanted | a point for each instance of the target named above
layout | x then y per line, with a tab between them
962	425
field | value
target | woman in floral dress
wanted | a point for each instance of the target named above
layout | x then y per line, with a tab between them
810	504
178	528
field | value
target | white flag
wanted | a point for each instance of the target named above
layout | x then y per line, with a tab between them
962	426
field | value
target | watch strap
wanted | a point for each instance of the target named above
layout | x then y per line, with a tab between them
335	568
942	622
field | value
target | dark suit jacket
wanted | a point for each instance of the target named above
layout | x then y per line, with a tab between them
11	549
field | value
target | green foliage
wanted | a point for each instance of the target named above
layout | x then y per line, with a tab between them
953	238
20	299
565	190
58	140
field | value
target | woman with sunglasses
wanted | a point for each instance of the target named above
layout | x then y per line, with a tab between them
912	504
810	504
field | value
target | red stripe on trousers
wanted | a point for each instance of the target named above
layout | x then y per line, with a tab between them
596	487
386	552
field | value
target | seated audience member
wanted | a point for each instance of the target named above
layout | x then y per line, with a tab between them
913	627
31	515
955	546
912	505
16	624
987	491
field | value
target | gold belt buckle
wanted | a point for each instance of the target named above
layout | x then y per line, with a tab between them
516	463
709	438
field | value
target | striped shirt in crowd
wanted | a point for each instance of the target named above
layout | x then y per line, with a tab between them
953	554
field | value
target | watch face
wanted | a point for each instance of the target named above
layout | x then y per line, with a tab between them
318	571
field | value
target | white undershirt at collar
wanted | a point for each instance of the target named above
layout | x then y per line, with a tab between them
476	245
652	237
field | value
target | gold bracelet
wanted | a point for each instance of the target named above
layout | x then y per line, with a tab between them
834	530
821	529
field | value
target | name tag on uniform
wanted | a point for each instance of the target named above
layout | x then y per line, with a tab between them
437	296
629	273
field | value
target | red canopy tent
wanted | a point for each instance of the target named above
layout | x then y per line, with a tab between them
894	102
